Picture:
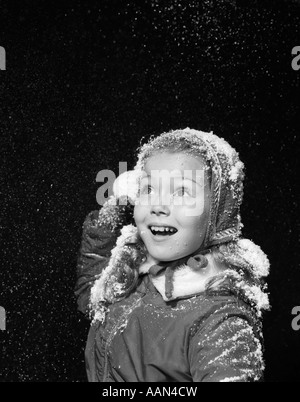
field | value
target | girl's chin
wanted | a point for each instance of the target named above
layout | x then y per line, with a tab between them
163	256
164	249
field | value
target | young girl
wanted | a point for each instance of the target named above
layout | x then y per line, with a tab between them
173	290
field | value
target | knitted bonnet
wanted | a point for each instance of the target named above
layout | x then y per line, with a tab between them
226	181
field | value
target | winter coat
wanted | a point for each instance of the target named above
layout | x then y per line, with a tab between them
197	337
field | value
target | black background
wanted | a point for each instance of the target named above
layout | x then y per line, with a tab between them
84	82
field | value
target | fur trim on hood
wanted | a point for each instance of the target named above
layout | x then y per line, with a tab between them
187	279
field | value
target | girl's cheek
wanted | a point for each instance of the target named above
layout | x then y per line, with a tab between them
139	213
191	211
196	210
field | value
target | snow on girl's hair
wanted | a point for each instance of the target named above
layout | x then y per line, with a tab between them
246	261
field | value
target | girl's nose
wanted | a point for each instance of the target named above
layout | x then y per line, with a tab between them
160	208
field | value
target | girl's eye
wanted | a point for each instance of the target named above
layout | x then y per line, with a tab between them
146	189
182	190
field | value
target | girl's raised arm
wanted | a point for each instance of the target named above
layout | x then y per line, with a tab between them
100	232
96	244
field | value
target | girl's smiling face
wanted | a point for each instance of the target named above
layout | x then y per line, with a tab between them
174	194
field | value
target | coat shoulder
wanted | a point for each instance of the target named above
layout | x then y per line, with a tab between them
212	310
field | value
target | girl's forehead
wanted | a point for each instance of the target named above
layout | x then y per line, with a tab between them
177	166
174	161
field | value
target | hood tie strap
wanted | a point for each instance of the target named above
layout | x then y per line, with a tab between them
195	261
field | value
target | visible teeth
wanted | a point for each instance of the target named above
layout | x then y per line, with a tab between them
162	229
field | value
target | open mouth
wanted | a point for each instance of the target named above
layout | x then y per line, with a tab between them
162	230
